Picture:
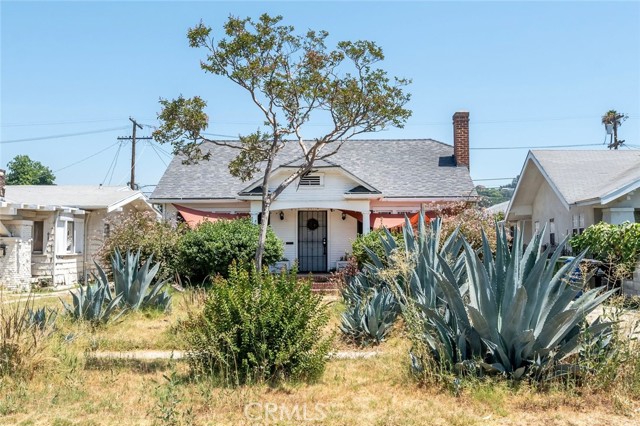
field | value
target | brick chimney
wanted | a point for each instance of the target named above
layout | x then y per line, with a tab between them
2	182
461	138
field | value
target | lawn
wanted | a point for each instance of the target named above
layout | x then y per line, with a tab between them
71	387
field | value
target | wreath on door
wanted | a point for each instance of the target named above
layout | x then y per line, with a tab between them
312	224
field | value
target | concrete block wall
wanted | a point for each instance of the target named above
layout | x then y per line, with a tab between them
15	265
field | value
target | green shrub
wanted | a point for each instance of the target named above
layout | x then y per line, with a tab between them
372	242
209	249
142	231
616	245
258	327
471	222
22	339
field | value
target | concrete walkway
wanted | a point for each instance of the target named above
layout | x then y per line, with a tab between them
7	298
149	355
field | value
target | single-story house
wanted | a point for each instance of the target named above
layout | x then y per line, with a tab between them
53	233
571	190
366	184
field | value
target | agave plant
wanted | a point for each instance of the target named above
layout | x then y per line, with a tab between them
42	318
370	319
517	316
134	283
422	256
94	303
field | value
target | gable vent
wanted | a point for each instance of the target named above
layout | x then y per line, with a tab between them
311	180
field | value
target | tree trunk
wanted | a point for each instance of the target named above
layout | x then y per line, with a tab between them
262	238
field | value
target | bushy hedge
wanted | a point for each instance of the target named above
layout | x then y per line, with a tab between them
616	245
209	249
142	231
258	327
372	242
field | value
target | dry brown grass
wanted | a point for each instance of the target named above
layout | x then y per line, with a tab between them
72	390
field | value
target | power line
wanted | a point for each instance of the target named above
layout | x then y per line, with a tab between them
40	138
504	178
55	123
533	147
157	153
112	166
86	158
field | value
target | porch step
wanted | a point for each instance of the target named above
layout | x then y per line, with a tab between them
324	288
320	283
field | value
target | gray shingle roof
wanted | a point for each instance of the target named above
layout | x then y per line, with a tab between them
398	168
81	196
589	174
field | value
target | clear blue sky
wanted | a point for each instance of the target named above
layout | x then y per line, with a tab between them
530	74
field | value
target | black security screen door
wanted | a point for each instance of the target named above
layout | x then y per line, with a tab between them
312	241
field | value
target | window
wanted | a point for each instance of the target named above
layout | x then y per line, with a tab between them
38	236
536	227
311	180
107	230
69	236
552	232
578	224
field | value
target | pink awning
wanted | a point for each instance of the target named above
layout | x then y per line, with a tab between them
387	220
193	217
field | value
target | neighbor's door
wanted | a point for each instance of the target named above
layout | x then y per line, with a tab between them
312	241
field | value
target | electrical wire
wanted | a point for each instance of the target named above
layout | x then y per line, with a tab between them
479	148
157	153
41	138
86	158
113	164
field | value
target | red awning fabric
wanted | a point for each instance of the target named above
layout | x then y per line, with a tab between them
387	220
193	217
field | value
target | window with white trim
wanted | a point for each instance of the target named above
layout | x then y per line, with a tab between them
69	236
578	224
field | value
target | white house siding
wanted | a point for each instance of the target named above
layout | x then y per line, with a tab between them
548	206
341	236
335	184
286	230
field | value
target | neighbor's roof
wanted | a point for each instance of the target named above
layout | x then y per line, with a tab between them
87	197
398	168
585	175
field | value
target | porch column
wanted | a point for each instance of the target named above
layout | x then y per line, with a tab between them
254	217
366	222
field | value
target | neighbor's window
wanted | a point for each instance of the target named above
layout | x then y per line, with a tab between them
552	232
69	236
38	236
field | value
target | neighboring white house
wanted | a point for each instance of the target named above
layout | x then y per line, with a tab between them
571	190
368	183
54	232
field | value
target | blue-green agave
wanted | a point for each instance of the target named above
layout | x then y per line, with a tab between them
516	315
134	283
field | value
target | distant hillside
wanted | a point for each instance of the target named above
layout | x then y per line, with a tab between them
492	196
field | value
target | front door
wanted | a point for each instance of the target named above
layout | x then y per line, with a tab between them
312	241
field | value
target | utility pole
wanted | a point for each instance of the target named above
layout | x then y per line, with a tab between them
133	150
612	120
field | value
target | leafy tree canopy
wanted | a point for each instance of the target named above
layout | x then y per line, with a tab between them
290	78
22	170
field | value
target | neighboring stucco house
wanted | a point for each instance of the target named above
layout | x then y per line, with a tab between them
366	184
53	233
571	190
